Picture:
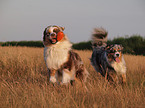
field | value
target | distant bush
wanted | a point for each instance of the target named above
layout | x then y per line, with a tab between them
23	43
1	43
82	45
132	45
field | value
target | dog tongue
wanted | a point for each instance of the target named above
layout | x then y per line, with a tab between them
53	40
117	60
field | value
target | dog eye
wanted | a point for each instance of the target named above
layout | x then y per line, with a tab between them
47	34
112	51
54	30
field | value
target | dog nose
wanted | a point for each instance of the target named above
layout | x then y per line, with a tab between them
117	55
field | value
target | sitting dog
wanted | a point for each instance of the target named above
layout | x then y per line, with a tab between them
63	64
107	59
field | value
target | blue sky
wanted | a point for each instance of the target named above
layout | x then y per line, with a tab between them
27	19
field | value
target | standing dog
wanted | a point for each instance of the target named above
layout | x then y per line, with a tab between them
63	64
107	60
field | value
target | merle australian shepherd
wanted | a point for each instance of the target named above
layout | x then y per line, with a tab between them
107	59
64	65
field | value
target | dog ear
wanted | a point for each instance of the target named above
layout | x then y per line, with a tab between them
44	33
121	47
107	47
62	28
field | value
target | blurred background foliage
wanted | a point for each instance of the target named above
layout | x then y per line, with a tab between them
134	44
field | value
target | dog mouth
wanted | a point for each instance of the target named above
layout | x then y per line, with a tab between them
117	59
53	38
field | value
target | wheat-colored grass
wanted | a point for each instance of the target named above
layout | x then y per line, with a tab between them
24	83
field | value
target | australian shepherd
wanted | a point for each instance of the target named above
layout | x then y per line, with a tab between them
107	59
64	65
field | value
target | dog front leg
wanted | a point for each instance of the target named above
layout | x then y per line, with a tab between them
52	75
123	78
112	78
66	76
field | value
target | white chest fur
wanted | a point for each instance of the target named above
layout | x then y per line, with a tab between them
56	55
120	68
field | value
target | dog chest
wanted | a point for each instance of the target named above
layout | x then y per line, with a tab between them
55	57
120	68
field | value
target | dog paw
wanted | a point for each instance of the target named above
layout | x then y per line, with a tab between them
65	81
66	78
52	79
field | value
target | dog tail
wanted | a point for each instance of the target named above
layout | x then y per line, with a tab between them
99	37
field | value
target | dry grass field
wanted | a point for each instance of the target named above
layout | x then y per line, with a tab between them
24	83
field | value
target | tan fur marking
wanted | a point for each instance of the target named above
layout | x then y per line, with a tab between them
120	58
123	78
52	72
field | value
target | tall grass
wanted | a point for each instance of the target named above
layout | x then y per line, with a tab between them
24	83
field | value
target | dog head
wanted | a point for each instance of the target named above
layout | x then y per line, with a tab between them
114	53
53	34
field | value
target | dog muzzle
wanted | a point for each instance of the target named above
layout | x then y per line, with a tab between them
117	56
57	37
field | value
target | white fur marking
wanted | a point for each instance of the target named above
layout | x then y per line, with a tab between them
120	68
57	54
66	76
52	79
51	29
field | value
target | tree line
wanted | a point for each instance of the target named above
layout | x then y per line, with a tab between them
134	44
22	43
